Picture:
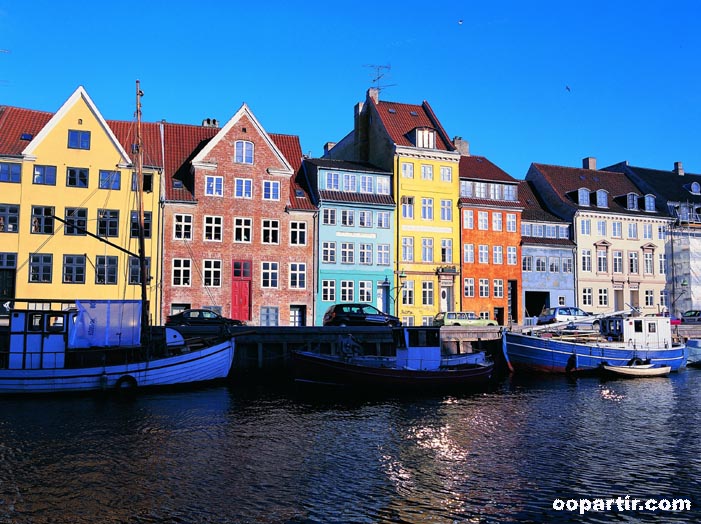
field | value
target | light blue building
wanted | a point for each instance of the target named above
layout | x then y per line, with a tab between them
354	234
547	257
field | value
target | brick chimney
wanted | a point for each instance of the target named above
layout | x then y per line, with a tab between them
589	163
374	93
463	146
678	169
328	146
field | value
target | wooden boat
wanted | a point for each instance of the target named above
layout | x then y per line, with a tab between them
104	344
637	370
418	364
563	348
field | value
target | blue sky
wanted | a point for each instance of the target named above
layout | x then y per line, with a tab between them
539	81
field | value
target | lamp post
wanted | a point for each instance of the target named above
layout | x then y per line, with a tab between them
394	292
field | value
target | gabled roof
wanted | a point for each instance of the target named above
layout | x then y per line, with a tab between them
666	185
533	209
399	120
481	168
291	148
566	181
150	136
15	122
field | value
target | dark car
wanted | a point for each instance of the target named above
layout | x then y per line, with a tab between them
201	321
693	316
358	315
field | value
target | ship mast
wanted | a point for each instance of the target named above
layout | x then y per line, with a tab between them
143	275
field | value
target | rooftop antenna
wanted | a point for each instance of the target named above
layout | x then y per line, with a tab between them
380	72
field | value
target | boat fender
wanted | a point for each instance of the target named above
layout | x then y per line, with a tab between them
126	383
571	363
635	361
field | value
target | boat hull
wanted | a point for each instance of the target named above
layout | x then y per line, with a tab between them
634	371
210	363
328	370
548	355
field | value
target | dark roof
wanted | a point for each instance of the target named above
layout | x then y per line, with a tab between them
401	119
346	165
488	202
356	198
311	168
666	185
533	209
481	168
542	241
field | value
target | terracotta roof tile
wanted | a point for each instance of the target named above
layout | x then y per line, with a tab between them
481	168
14	122
356	198
400	119
488	202
533	209
291	149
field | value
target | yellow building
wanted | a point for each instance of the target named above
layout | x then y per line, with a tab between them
409	141
64	177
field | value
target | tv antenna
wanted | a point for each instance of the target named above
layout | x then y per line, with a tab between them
380	72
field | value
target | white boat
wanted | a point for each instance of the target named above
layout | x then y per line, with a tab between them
693	358
638	370
98	347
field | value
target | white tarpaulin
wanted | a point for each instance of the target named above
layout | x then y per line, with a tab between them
106	323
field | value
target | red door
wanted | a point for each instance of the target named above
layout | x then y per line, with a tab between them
241	290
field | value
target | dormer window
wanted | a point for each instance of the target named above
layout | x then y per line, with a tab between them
649	202
696	188
426	138
632	202
602	198
583	196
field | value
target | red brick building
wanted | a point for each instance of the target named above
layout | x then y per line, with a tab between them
236	225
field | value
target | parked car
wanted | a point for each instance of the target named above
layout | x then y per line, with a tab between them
461	318
563	314
358	315
673	321
691	317
200	321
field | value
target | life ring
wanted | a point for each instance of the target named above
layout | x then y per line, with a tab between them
126	383
635	361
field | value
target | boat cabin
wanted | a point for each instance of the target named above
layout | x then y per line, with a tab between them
638	332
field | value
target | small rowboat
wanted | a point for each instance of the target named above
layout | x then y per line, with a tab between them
638	370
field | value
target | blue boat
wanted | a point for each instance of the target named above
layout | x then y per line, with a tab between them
619	341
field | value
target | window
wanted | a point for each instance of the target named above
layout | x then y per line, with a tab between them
269	316
243	229
483	254
661	232
583	196
407	170
347	294
108	179
540	264
632	200
602	198
328	252
214	186
649	202
427	250
509	192
241	269
480	189
469	287
427	208
468	253
407	207
496	221
78	139
616	230
468	219
365	254
365	291
271	190
43	220
135	270
427	293
350	182
527	263
383	185
298	233
408	293
383	254
483	220
633	230
447	210
663	298
43	175
466	188
347	252
271	231
213	228
585	227
511	256
76	177
182	272
147	184
601	227
601	261
649	297
446	250
106	270
648	264
550	231
495	191
243	188
135	224
446	174
497	254
270	274
243	152
633	263
366	185
484	287
383	219
298	275
107	222
347	217
328	290
74	269
587	296
603	297
563	231
586	259
498	288
554	264
618	261
329	217
10	172
76	221
567	264
333	181
426	172
662	259
40	267
182	227
407	249
425	138
647	231
538	230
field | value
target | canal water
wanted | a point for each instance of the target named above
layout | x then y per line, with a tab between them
232	454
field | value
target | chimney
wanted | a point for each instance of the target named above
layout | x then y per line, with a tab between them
328	146
374	93
463	146
210	122
678	169
589	163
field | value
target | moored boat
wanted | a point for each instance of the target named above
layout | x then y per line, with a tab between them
619	340
693	358
637	370
418	364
